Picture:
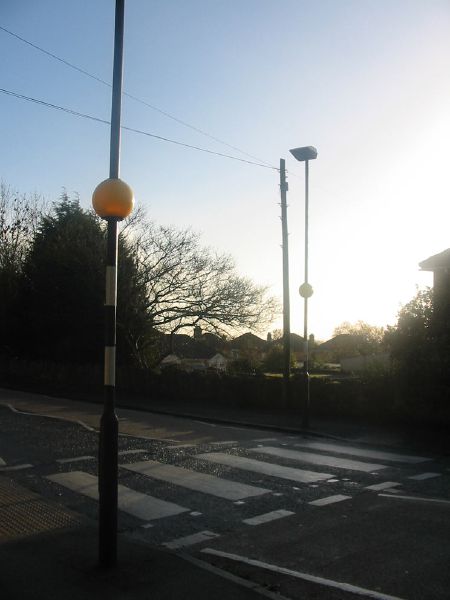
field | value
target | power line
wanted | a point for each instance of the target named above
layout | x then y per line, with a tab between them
135	98
131	129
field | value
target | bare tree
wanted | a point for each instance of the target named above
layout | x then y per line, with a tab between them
188	285
368	338
19	218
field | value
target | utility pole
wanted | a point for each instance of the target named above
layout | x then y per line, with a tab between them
286	304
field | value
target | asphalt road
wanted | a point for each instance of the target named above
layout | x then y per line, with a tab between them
299	515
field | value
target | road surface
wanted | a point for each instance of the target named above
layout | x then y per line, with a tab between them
304	517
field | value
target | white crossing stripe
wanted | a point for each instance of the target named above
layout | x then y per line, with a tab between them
225	443
319	459
139	505
329	500
423	476
16	467
180	446
190	540
417	498
266	517
258	466
361	452
62	461
386	485
199	482
136	451
2	462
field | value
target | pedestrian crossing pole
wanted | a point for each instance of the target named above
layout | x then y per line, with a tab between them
113	201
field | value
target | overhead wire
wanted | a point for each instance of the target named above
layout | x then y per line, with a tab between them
131	96
131	129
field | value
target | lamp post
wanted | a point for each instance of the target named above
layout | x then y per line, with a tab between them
305	154
113	201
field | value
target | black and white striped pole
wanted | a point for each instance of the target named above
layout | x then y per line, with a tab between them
113	201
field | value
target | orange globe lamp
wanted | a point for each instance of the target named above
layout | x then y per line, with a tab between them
113	198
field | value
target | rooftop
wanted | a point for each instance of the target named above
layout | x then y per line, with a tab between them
436	262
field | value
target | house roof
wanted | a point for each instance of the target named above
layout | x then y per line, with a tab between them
339	342
436	262
248	340
297	342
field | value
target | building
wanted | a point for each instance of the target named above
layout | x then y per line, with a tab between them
216	362
439	265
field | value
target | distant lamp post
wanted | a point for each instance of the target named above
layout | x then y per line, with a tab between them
305	154
113	201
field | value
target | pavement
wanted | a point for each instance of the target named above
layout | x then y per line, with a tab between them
47	551
138	422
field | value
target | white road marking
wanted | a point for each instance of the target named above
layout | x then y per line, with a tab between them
181	446
2	462
258	466
225	443
424	476
190	540
319	459
195	513
266	440
261	591
361	452
16	467
199	482
329	500
63	461
416	498
136	451
266	517
139	505
386	485
345	587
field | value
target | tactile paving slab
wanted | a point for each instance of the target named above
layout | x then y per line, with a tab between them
24	513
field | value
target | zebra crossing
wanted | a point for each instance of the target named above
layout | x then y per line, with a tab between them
139	505
265	468
200	482
319	459
256	479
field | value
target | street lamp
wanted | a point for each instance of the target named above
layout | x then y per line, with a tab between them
113	201
305	154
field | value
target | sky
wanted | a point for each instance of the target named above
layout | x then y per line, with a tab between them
366	82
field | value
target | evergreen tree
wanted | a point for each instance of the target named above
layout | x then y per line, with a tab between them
63	285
